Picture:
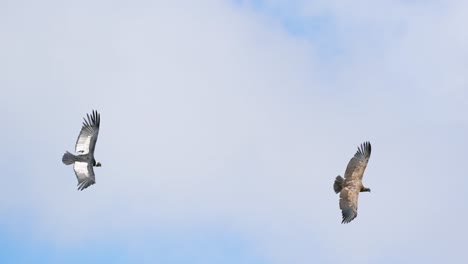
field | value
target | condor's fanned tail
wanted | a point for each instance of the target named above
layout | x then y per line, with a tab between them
69	158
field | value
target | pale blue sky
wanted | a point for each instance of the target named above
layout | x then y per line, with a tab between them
224	124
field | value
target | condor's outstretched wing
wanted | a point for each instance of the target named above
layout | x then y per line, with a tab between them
358	163
353	182
87	138
84	173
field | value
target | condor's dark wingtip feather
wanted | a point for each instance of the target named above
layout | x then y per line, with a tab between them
348	216
364	150
84	184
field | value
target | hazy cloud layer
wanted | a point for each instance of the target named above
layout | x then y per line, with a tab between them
213	114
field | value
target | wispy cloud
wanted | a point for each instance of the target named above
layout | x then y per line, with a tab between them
216	113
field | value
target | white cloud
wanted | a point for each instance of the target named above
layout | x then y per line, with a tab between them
213	113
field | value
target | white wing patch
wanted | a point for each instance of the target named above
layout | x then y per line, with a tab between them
81	171
83	143
85	174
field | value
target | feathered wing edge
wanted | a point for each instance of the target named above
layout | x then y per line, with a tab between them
87	179
348	215
348	204
91	126
349	196
93	121
364	151
69	158
88	135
